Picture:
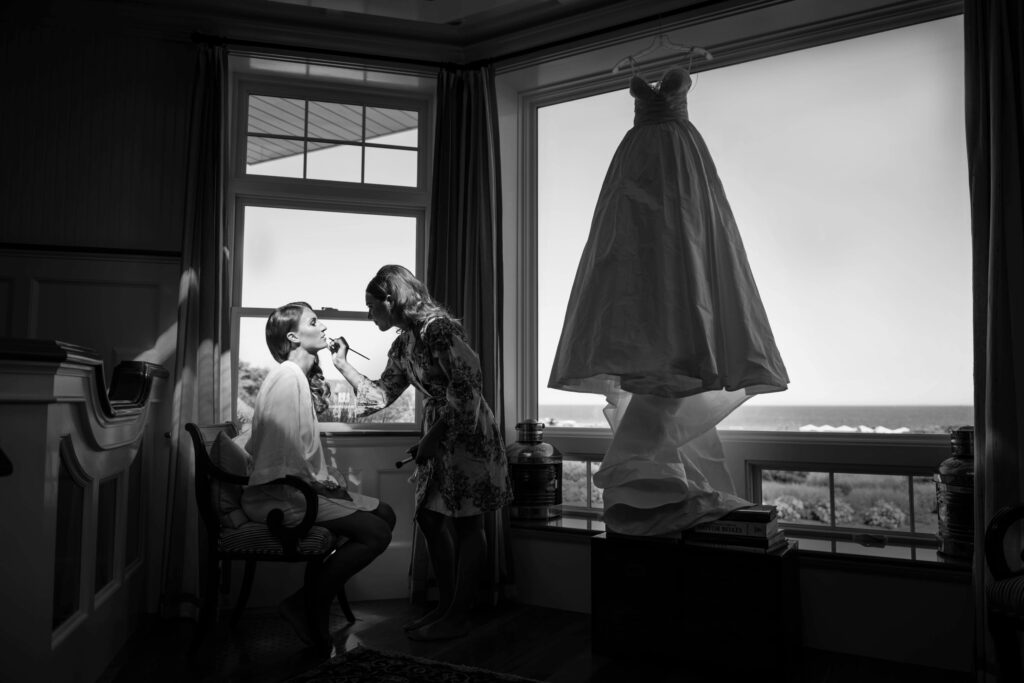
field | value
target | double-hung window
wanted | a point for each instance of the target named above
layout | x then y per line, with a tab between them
845	165
328	182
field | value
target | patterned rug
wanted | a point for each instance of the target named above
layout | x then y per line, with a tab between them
363	665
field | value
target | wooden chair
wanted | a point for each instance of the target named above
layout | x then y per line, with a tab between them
231	536
1005	597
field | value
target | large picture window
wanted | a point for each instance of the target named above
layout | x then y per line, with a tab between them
328	184
845	166
846	169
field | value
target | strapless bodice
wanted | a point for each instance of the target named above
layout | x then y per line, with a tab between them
663	102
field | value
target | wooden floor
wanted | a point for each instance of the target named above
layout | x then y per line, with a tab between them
535	642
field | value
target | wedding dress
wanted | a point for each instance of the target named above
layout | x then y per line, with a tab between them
665	319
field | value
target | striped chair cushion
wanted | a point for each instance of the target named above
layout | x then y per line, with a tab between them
256	538
1007	595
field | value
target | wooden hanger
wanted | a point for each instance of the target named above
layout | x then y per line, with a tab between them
662	41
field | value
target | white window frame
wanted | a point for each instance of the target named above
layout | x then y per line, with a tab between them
251	190
530	84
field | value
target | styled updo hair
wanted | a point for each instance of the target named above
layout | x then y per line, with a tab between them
410	297
279	323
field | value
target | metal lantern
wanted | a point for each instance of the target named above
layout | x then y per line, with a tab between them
954	495
535	469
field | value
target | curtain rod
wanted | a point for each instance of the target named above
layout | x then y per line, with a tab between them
280	47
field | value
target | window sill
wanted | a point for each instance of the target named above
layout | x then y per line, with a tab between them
568	527
842	555
918	561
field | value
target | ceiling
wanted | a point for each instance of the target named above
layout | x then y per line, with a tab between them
469	15
435	30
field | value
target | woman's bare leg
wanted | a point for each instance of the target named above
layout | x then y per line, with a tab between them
471	553
368	534
443	550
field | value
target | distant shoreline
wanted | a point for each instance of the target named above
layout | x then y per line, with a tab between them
752	417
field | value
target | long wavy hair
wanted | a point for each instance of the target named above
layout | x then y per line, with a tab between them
410	297
279	323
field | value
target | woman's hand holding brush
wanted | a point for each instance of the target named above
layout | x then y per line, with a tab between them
408	459
340	345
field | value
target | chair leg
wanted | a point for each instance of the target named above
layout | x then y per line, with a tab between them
225	576
318	618
1004	636
208	608
343	603
243	594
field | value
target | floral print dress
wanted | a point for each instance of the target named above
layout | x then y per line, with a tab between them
470	474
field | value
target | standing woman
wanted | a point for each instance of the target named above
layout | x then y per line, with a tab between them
461	470
284	441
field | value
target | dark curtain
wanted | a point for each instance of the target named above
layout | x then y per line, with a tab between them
463	268
994	99
463	259
203	387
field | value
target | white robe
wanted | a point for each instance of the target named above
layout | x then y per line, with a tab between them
285	439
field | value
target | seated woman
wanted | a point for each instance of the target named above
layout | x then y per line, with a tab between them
285	440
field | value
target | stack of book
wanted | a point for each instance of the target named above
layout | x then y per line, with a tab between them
751	529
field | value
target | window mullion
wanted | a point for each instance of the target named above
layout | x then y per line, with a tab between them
832	498
305	140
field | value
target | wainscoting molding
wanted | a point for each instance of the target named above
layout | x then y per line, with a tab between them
122	305
72	583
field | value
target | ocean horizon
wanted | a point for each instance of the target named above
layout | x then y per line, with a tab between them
915	419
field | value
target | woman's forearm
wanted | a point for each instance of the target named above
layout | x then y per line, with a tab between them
351	375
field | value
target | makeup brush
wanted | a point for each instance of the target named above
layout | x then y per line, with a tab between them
333	346
409	458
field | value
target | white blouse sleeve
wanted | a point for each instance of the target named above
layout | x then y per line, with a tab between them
285	438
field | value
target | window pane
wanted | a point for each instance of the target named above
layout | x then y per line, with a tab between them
272	156
878	502
332	121
255	362
363	336
323	257
406	138
849	190
335	162
596	494
276	115
381	122
926	509
574	482
391	166
801	497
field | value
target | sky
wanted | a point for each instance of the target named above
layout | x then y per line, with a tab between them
845	166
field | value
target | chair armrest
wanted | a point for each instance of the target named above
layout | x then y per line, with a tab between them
995	533
291	535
